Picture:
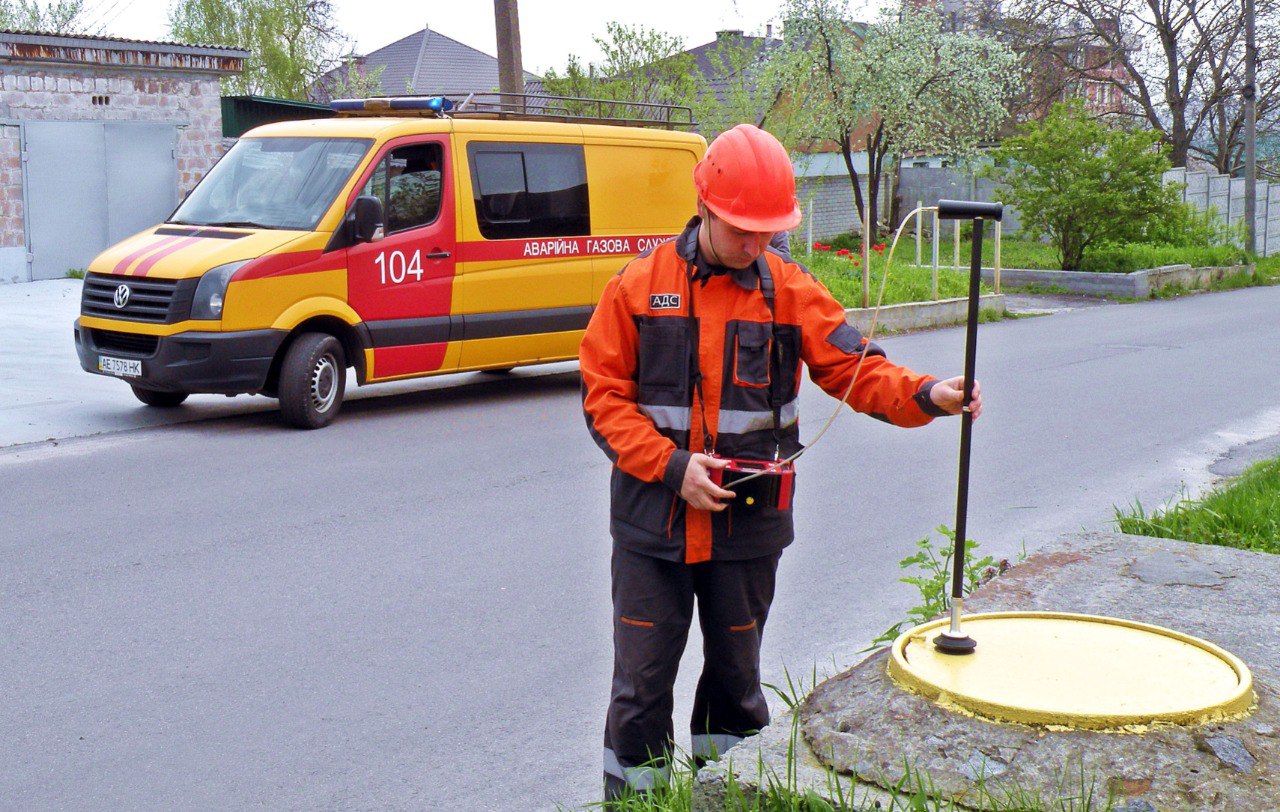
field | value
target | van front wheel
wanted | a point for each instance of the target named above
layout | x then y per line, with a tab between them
312	378
158	399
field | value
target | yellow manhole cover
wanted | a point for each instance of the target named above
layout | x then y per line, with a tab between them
1052	668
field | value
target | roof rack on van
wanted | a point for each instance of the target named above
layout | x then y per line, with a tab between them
521	107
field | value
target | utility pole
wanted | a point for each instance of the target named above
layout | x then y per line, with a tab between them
510	72
1249	95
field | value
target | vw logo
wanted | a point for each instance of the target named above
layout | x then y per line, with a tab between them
122	296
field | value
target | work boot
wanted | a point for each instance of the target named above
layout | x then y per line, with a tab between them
617	793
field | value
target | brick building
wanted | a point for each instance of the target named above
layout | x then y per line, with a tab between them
99	138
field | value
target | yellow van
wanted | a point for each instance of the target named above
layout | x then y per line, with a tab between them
400	239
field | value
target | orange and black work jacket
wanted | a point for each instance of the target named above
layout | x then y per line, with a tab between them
670	351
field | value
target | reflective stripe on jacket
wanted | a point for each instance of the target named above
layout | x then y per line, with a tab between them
641	402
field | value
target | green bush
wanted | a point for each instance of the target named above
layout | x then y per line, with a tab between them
1128	257
847	241
1181	223
1081	183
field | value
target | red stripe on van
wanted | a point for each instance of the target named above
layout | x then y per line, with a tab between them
557	247
410	359
123	265
289	263
149	263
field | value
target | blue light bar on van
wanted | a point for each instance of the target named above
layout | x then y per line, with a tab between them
435	104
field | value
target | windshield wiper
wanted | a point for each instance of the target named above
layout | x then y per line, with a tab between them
238	224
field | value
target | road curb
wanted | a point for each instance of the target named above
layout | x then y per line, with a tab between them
922	315
1134	285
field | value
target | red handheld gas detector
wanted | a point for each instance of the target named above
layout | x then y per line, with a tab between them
771	486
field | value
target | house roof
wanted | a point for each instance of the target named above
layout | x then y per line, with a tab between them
427	61
705	55
115	43
114	52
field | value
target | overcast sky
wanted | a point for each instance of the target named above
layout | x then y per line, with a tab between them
550	30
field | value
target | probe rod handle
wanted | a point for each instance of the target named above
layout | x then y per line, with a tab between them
969	210
966	418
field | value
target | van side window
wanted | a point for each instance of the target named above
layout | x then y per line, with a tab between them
407	182
529	190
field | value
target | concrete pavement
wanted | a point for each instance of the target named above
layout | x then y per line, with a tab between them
409	609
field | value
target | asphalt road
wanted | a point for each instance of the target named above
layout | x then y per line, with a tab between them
409	609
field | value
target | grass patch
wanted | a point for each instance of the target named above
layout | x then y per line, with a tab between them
1016	252
1244	513
1267	270
910	791
75	273
907	283
1137	256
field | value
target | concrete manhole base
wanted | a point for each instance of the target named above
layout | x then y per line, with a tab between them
860	732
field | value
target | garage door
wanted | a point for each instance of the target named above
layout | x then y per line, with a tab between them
93	183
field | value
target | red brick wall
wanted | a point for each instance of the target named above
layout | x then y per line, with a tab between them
11	214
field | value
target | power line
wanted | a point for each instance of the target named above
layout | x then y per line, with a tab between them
127	5
95	16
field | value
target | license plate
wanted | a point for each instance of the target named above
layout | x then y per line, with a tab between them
123	367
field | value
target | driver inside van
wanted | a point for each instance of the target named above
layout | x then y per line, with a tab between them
415	194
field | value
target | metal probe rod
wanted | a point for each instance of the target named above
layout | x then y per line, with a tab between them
966	417
954	640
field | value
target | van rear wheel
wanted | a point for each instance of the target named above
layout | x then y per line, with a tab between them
312	379
157	399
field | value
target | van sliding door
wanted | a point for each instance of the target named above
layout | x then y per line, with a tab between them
524	280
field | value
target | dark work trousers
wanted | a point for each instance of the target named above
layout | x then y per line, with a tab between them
653	604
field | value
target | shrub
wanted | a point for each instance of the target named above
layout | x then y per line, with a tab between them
1082	183
847	241
1181	223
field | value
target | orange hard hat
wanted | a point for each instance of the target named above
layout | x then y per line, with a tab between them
746	179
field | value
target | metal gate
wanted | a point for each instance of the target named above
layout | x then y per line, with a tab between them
93	183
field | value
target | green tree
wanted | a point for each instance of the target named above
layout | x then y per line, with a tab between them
735	90
645	65
292	43
1082	183
57	17
639	65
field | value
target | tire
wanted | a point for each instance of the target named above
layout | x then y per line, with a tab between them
157	399
312	379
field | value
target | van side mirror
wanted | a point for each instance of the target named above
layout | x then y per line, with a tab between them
365	219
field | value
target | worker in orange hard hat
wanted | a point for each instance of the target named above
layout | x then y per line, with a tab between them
693	359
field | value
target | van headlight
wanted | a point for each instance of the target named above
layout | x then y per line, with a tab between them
212	290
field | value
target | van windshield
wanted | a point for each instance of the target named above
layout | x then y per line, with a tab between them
284	183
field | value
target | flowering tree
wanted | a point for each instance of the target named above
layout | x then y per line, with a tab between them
903	85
